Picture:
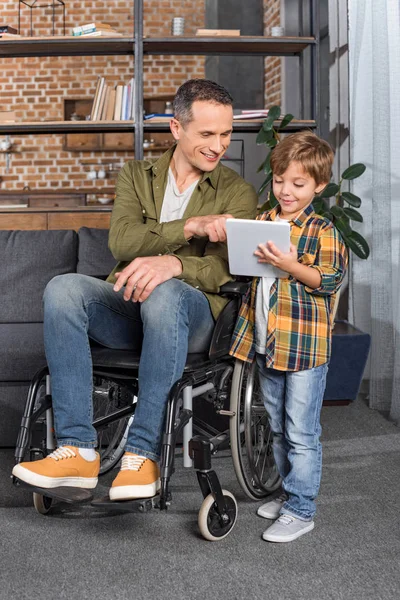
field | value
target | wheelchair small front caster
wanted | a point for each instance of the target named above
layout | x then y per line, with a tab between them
42	503
213	526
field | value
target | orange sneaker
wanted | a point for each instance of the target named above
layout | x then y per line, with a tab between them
63	467
139	477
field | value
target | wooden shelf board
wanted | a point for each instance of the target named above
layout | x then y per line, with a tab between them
76	46
48	127
65	46
249	45
245	126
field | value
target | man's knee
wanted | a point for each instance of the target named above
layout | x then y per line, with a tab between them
164	296
65	291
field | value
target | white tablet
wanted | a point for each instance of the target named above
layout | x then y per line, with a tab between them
243	237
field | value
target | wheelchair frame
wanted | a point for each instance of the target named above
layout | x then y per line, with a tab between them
215	373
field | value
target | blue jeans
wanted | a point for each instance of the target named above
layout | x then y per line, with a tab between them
175	319
293	400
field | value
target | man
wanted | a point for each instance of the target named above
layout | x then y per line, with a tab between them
168	234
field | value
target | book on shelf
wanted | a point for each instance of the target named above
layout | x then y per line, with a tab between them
118	102
101	33
113	103
8	29
158	116
102	102
110	105
95	29
218	32
252	114
97	97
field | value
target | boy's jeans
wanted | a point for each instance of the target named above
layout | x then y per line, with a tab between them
175	319
293	400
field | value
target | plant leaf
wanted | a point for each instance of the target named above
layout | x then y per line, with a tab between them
264	136
357	244
351	199
274	112
265	184
338	212
272	199
319	205
286	120
354	171
330	190
354	215
343	226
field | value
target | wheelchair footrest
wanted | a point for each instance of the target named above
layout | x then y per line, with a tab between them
136	505
71	495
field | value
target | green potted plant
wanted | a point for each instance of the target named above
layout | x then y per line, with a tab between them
350	346
342	211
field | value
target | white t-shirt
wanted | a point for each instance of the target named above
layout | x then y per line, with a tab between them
262	309
175	202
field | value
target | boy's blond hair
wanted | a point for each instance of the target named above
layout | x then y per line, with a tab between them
313	153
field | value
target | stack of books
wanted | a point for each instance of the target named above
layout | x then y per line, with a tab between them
113	103
95	29
251	114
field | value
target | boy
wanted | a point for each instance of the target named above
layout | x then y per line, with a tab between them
286	325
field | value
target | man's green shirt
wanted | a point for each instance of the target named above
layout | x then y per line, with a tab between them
136	231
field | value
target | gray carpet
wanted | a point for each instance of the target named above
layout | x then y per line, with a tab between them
353	552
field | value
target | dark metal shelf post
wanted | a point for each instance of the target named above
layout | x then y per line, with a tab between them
138	82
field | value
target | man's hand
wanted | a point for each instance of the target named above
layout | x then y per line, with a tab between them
211	226
144	274
269	253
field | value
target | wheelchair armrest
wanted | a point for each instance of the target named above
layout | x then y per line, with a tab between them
103	277
234	288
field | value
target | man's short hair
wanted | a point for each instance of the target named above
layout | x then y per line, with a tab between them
313	153
198	90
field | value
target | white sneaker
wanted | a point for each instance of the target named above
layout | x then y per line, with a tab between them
271	509
287	529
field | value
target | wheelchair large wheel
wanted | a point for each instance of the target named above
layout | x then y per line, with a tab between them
251	437
108	398
210	525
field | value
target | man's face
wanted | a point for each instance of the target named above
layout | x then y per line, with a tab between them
204	140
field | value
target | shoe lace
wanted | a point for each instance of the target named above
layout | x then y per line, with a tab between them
61	453
132	463
286	519
282	497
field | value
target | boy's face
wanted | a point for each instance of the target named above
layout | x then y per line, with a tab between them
294	190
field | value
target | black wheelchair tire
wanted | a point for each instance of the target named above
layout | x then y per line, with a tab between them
250	434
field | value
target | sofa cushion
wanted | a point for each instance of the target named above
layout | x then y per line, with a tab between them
29	259
21	351
94	257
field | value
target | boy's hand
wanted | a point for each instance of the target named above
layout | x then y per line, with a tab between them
269	253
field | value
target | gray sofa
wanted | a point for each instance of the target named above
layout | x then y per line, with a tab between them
30	259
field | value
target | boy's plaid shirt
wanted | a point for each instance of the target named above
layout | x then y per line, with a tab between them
300	319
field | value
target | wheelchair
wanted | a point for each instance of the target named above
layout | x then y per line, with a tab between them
230	387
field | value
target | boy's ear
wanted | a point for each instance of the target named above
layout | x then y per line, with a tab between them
321	187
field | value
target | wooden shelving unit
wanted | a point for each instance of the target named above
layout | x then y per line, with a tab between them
140	46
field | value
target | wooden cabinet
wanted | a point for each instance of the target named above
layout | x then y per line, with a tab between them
54	200
77	109
58	218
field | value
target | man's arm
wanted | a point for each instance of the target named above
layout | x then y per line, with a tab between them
210	271
134	231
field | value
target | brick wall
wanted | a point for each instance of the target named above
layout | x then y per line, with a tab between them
35	87
273	64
